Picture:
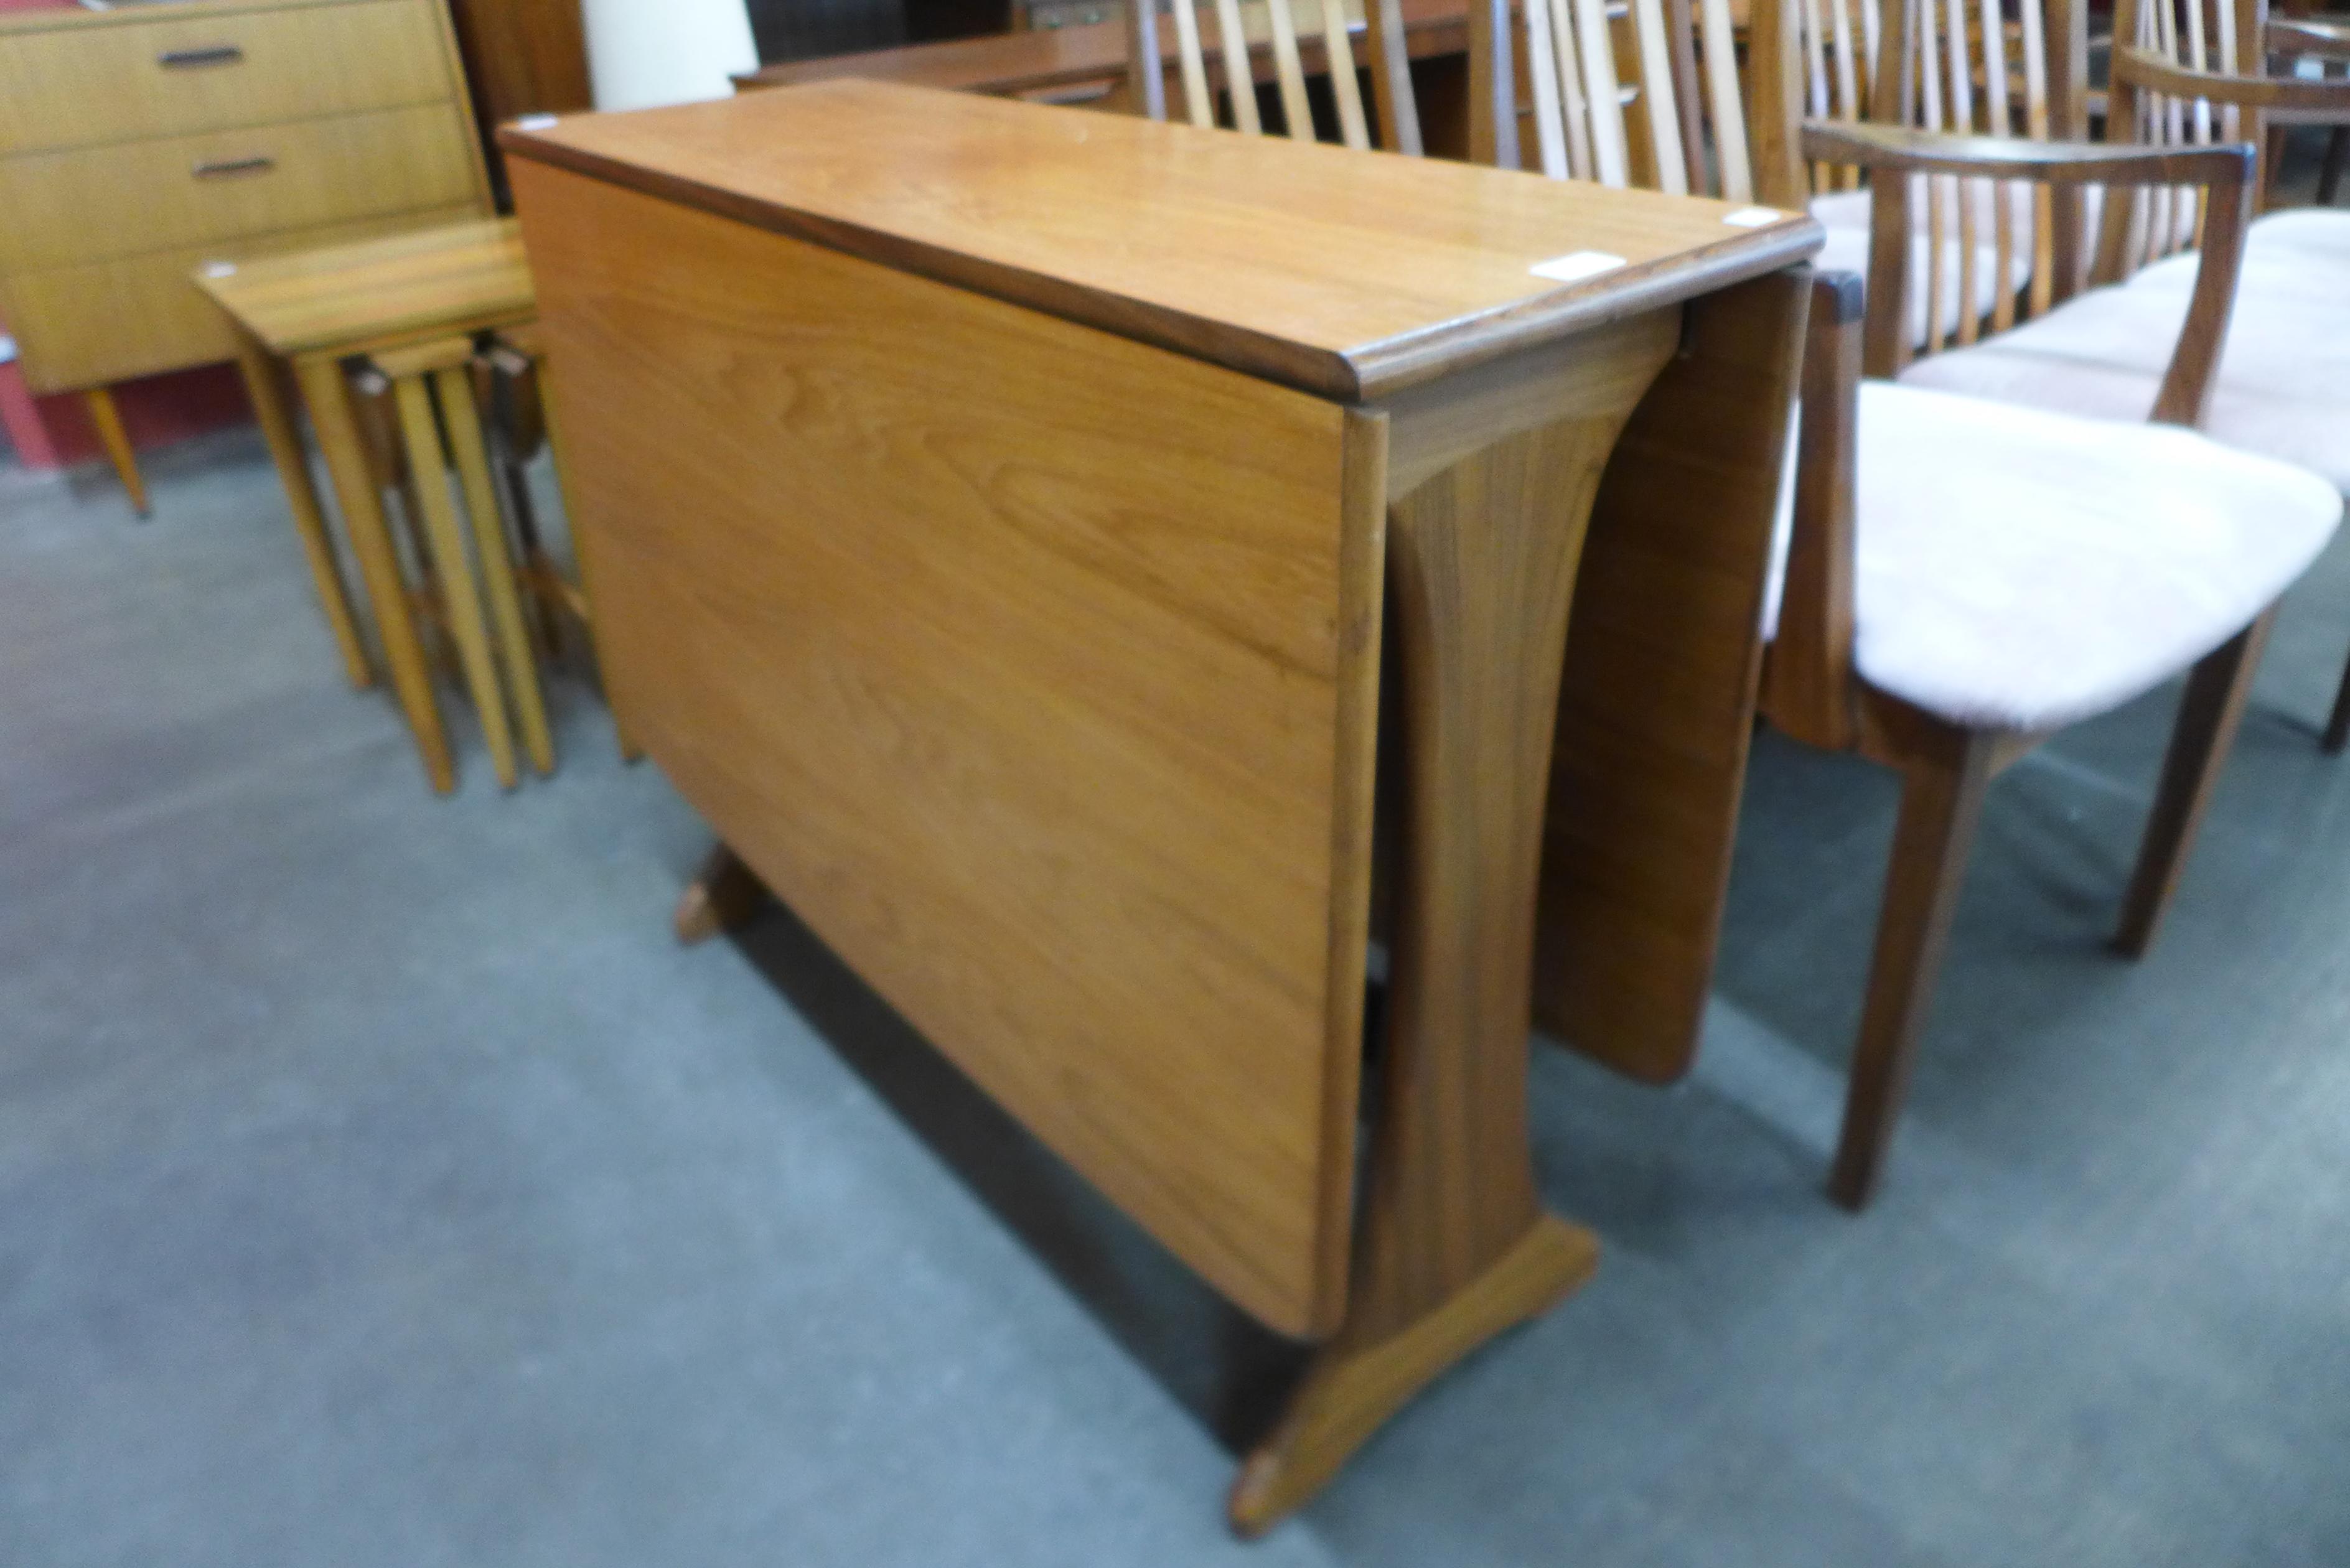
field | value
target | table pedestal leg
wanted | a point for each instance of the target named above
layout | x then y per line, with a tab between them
1452	1243
723	895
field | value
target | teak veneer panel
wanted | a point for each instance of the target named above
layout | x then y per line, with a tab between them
1348	277
1036	668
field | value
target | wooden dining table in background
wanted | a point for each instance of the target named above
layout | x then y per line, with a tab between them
1021	529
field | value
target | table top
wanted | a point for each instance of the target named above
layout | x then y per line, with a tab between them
458	278
1349	274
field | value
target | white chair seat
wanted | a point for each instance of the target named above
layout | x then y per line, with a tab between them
2321	231
2022	570
2284	390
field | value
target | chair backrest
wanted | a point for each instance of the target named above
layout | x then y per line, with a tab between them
1685	129
1683	66
2217	36
1283	28
1983	68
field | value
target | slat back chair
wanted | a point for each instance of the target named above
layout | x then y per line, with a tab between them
2164	221
1684	93
1836	675
1289	27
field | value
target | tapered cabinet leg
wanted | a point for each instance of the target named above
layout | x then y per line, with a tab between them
1452	1244
100	401
2209	715
323	389
723	894
1941	802
265	387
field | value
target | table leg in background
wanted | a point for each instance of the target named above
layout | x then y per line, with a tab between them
320	376
264	387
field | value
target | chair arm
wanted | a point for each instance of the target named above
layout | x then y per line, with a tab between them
1906	151
2225	169
2304	36
1807	687
2151	73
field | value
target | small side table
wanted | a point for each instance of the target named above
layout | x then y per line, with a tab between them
303	316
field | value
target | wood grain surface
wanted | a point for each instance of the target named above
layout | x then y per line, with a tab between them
1347	275
1034	667
462	277
1657	701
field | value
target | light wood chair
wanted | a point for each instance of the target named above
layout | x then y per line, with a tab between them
430	388
1963	579
1299	46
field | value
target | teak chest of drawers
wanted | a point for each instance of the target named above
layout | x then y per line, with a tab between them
137	145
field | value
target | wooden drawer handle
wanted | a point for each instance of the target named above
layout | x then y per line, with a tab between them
190	59
231	168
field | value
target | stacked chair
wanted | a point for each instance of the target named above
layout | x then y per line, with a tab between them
1964	577
2282	387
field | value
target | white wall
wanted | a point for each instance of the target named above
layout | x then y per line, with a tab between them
642	53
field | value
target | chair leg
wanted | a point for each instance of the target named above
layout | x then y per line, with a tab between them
116	443
2337	727
2208	717
2329	175
1941	802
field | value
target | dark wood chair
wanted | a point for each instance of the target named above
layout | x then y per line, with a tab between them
2281	386
1963	577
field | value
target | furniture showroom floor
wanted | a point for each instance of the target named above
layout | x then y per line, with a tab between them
381	1183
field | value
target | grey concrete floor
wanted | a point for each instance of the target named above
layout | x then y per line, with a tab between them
380	1184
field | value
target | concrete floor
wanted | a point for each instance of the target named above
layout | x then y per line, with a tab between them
380	1184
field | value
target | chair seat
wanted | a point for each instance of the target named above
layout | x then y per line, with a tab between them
2284	389
2020	570
2321	230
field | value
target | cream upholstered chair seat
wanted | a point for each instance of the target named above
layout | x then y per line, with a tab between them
2284	386
2077	563
2320	231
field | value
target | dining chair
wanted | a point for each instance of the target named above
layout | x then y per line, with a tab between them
2311	44
2281	386
1299	46
1962	578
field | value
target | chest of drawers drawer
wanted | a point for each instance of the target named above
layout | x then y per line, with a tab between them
110	320
95	203
85	86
